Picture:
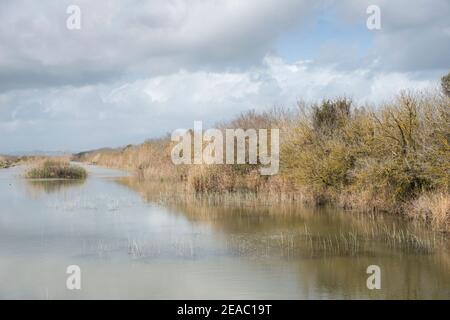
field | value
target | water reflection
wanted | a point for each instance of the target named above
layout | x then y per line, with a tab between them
330	248
151	240
39	186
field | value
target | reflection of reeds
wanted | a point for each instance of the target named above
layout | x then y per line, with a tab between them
52	186
327	246
332	247
311	232
293	244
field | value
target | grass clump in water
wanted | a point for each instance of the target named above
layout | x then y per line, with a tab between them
51	169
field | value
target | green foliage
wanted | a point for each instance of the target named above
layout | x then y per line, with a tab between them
320	154
331	115
393	154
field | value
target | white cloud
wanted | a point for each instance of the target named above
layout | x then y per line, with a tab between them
115	114
413	35
139	68
138	38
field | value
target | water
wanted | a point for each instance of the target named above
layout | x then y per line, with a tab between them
130	245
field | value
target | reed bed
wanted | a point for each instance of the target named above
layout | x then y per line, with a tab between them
54	169
393	157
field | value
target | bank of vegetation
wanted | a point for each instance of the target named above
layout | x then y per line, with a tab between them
393	157
8	161
56	169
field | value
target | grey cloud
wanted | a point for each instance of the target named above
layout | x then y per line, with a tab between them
139	68
414	35
133	39
138	38
85	117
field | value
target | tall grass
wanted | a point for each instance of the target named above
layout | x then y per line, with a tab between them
432	207
393	157
52	169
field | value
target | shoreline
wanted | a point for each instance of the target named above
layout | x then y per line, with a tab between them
180	192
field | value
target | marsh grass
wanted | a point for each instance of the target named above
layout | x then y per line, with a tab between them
432	207
53	169
391	157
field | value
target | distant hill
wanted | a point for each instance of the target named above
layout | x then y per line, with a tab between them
39	153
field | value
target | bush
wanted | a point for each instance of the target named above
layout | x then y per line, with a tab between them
320	153
390	155
331	115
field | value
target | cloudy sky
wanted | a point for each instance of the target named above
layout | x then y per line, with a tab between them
138	69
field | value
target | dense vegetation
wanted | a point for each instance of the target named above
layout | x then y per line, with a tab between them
393	157
53	169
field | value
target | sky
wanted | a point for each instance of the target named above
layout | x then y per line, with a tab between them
139	69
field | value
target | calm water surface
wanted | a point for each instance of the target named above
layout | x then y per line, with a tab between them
130	245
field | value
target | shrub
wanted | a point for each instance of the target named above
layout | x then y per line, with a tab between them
331	115
320	153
